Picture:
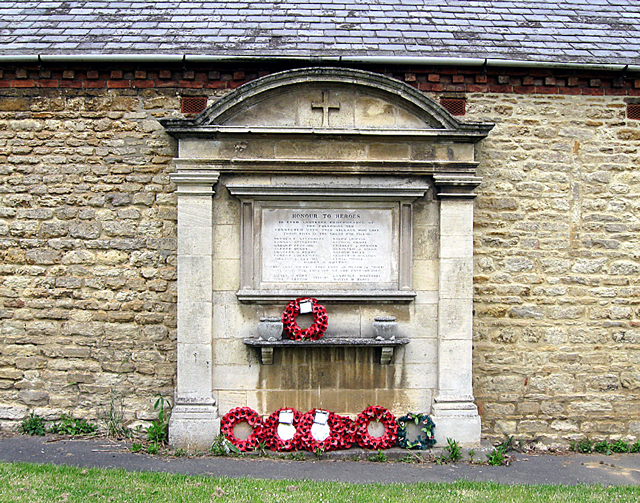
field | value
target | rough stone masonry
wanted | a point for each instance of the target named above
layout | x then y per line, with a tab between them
87	246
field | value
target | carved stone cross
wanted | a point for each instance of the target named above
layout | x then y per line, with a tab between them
325	105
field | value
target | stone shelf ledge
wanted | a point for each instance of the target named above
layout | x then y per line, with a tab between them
267	347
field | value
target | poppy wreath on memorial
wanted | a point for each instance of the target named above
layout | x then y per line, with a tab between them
240	415
425	438
270	432
388	420
332	443
315	331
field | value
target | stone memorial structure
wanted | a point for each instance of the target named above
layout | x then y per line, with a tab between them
342	185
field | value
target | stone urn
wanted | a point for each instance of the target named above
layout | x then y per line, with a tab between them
270	328
385	327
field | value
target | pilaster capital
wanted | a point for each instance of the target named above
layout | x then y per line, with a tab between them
456	186
195	183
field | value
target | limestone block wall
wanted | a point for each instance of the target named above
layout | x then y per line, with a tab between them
87	243
87	252
557	268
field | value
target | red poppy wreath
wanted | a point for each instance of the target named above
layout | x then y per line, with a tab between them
270	432
388	420
240	415
315	331
332	442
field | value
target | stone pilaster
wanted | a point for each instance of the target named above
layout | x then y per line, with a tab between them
455	414
194	419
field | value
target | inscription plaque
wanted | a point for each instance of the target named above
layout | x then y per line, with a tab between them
327	246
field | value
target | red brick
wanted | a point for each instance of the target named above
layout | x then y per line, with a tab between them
433	77
23	83
497	88
410	77
94	84
141	84
1	73
140	74
166	83
550	81
47	83
457	79
609	91
527	81
569	90
216	84
74	84
68	74
593	91
481	79
524	89
216	75
503	79
44	74
116	74
93	74
547	89
430	86
460	88
164	74
636	83
238	75
21	73
117	84
190	84
473	88
595	83
188	75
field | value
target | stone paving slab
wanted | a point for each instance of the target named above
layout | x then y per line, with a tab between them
617	469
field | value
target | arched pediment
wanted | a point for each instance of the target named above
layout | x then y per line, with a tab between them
326	99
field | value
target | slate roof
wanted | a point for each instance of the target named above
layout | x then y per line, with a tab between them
575	31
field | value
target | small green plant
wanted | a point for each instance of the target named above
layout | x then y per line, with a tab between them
135	447
411	457
635	448
319	452
297	456
602	447
69	425
584	446
496	457
180	453
113	418
32	425
222	447
472	454
453	447
153	448
158	431
380	457
620	446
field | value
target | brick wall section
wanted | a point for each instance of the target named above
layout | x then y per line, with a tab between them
87	243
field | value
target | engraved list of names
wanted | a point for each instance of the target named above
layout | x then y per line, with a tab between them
327	245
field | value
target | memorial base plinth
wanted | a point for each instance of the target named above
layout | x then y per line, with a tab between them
459	421
193	427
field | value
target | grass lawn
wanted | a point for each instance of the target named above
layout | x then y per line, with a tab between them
24	482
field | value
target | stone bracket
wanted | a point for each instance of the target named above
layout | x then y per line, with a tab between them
267	347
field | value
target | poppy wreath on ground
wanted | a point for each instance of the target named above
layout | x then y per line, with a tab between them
348	432
237	416
315	331
270	432
331	443
388	420
425	438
